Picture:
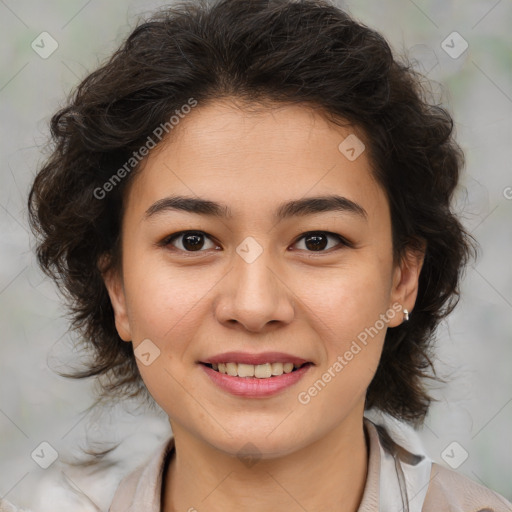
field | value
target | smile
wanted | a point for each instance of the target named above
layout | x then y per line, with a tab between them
254	386
260	371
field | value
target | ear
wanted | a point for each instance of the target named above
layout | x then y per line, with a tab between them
115	288
405	281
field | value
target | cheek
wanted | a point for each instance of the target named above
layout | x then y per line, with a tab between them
163	301
348	304
351	332
347	299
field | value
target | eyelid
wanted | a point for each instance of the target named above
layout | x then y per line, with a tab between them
165	242
170	238
341	239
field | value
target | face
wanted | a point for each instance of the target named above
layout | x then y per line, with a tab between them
310	282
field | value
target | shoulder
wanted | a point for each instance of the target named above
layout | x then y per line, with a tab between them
452	492
126	490
447	490
142	488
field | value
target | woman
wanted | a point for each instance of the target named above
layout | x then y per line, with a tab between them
249	208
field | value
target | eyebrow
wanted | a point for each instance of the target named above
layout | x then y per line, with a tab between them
299	207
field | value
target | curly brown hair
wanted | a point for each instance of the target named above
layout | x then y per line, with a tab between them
263	52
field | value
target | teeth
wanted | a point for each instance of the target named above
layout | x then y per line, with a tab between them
245	370
277	368
231	369
260	371
263	371
287	367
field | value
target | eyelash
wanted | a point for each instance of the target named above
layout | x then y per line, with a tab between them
169	239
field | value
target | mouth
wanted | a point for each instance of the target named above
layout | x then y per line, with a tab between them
259	380
258	371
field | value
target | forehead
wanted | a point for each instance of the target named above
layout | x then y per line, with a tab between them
256	158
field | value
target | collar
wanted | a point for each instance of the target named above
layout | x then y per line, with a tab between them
396	480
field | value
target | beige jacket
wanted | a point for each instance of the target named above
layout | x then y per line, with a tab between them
397	481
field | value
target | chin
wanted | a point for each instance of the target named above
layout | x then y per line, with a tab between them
257	441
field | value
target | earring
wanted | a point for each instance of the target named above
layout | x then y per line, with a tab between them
406	315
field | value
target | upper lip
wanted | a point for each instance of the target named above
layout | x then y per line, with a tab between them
261	358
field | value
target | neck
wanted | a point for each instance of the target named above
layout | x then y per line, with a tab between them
329	474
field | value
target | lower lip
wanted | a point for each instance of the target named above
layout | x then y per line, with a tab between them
252	387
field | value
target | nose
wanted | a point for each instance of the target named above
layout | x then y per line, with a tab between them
255	296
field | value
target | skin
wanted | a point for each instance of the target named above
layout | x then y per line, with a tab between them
293	299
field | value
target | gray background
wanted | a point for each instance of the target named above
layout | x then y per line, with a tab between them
474	347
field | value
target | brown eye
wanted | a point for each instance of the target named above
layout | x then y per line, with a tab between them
189	241
317	241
